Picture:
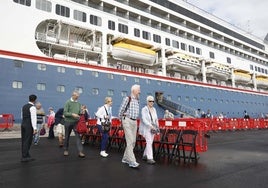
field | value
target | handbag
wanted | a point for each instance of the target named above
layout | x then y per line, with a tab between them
81	126
42	131
106	125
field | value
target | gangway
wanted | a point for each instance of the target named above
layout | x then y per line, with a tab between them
174	107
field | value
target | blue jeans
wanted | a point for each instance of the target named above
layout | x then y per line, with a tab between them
36	137
104	138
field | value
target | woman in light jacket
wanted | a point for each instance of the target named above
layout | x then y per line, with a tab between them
148	128
103	113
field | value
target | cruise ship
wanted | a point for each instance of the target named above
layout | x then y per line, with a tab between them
190	60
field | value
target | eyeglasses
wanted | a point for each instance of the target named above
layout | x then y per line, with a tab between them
150	101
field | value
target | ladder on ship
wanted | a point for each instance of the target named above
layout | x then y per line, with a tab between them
174	107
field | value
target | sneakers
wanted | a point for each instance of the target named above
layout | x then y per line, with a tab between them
104	154
81	155
133	165
150	161
65	153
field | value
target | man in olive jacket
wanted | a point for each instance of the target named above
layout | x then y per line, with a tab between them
72	110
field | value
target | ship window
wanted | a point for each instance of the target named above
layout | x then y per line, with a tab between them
62	11
179	98
78	72
256	68
167	41
194	99
41	86
124	78
18	63
41	67
148	81
146	35
229	60
159	83
211	55
136	80
175	44
198	51
23	2
95	91
79	89
110	76
156	38
187	98
124	93
202	99
123	28
183	46
95	74
80	16
169	97
137	32
110	92
111	25
43	5
61	69
95	20
191	49
17	84
61	88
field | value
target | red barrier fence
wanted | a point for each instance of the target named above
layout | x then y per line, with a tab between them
6	121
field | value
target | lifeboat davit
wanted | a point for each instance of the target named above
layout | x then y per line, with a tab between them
182	63
262	81
242	76
133	53
218	71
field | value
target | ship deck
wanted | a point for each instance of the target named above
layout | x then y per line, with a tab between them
234	159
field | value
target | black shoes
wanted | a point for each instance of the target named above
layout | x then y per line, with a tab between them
27	159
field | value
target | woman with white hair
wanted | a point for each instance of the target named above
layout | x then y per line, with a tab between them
148	128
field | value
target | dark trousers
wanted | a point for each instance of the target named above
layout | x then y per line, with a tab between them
51	131
68	129
26	140
104	138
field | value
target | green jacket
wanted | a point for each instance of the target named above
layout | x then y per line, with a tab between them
69	108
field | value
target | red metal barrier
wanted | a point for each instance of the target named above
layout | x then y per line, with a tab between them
6	121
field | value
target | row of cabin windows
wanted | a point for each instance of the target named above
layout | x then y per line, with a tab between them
110	92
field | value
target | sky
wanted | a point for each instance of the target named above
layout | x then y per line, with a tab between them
250	15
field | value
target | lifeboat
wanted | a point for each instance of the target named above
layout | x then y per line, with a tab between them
262	81
242	76
183	63
131	51
218	71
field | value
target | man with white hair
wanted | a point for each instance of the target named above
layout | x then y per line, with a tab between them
128	113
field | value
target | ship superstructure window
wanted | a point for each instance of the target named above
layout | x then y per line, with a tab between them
95	91
122	28
62	11
23	2
136	80
198	51
110	76
228	59
111	25
169	97
137	32
191	49
43	5
124	78
211	55
95	20
110	92
167	41
61	88
61	69
41	67
183	46
78	72
79	89
156	38
179	98
17	84
80	16
18	63
175	44
146	35
41	86
148	81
